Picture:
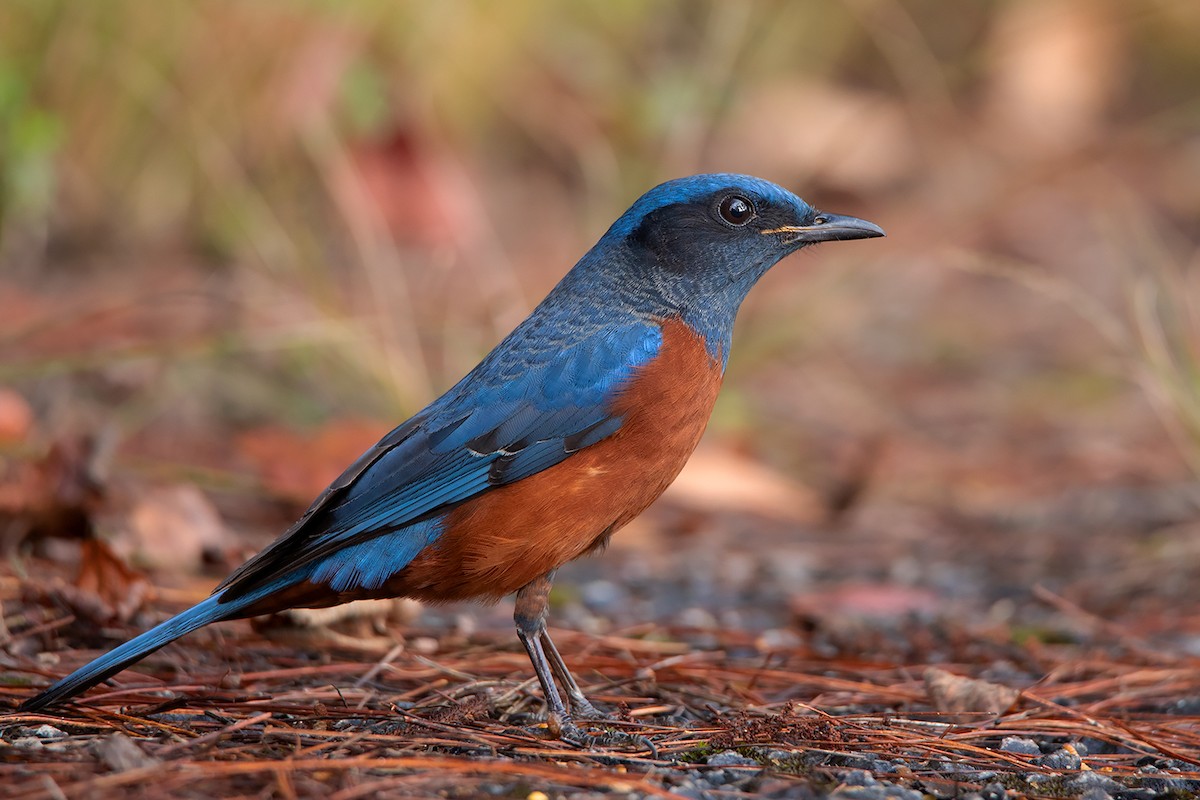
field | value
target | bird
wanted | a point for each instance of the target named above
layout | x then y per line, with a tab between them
566	431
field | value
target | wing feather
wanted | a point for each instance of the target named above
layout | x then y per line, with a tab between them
486	432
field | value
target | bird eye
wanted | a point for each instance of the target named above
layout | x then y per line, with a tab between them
736	210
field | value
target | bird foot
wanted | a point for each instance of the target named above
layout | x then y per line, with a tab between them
582	708
564	728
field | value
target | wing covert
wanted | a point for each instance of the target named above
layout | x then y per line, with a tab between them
485	432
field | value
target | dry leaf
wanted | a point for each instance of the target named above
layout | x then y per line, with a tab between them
954	694
298	467
103	576
173	527
120	754
16	417
717	479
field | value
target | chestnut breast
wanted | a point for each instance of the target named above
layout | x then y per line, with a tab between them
497	542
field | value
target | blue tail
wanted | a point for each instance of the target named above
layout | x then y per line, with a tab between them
112	662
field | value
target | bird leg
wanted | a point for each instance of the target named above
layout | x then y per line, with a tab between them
530	616
580	705
533	601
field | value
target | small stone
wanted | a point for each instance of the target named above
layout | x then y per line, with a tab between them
994	791
734	777
849	761
28	743
777	639
1063	759
48	732
1183	785
424	645
1092	780
601	595
859	793
1164	785
1095	794
1020	746
697	618
859	777
729	758
1138	794
1186	706
121	754
900	793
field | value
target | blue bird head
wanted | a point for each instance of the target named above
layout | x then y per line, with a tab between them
694	247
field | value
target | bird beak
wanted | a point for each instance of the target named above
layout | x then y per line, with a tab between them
827	228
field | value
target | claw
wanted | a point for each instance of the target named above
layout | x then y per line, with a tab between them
613	738
565	729
582	708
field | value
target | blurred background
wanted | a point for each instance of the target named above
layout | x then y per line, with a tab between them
240	241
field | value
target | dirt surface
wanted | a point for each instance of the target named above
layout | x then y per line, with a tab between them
895	652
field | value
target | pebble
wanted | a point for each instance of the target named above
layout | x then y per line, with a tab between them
730	758
1186	706
1163	784
900	793
1139	794
1061	760
868	763
777	639
1092	780
601	595
859	777
48	732
695	617
1020	746
858	793
424	645
993	791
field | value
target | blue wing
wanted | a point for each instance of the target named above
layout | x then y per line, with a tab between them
522	410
